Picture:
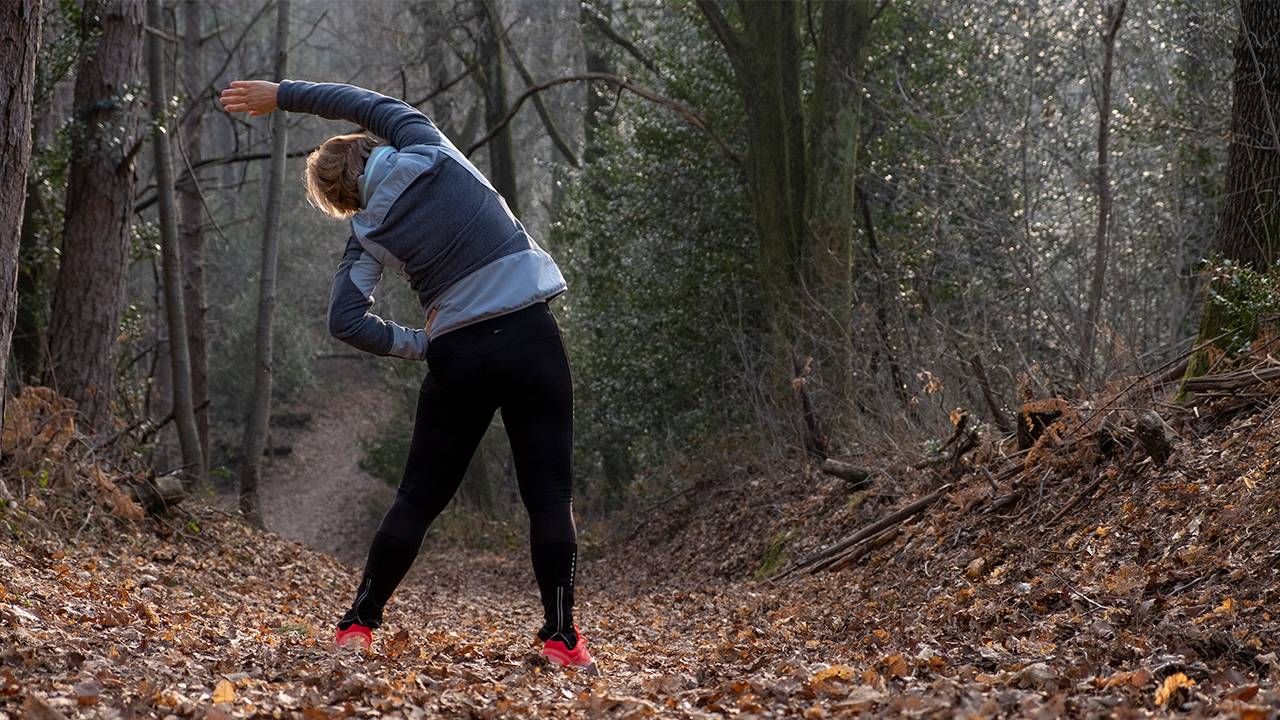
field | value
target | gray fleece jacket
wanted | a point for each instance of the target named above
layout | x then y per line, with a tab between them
429	216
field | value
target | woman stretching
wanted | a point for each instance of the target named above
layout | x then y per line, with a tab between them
418	207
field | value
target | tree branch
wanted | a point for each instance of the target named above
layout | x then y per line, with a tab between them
548	122
600	22
686	114
724	32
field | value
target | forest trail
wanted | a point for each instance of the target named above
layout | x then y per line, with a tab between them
164	628
317	494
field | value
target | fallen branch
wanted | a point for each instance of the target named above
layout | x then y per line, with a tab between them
858	551
1232	380
858	477
888	521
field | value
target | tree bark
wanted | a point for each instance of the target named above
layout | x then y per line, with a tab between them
831	209
19	40
89	292
502	166
1101	238
171	258
1250	215
259	416
766	61
191	220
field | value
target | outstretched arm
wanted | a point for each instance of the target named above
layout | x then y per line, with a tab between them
392	120
350	320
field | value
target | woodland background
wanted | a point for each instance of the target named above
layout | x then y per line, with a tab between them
873	194
923	354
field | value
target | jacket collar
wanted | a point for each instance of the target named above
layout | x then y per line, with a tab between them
375	169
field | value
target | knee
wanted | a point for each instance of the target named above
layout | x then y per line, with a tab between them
403	522
552	522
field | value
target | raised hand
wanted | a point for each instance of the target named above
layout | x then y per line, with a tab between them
256	97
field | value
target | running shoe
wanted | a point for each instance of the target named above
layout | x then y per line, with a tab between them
354	636
568	649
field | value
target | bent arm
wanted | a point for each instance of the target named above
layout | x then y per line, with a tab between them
349	318
393	120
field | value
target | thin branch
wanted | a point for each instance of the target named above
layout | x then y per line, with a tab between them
603	24
621	83
548	122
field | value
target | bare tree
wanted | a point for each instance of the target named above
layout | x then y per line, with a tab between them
191	217
89	292
19	40
1101	239
259	416
492	81
171	257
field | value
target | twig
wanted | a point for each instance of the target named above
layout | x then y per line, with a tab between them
1001	420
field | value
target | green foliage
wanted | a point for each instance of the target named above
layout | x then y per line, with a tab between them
1241	299
63	38
657	243
775	556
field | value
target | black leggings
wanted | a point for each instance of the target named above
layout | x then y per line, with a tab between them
515	363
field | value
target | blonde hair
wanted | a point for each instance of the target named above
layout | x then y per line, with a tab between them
333	173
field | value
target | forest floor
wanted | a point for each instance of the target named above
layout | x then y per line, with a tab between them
1112	587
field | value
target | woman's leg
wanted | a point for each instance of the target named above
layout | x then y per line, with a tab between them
446	431
537	411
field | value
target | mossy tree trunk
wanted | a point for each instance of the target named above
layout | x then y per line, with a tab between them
1249	220
502	164
765	54
831	207
801	166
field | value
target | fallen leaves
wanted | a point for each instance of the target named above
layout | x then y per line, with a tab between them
224	692
1168	692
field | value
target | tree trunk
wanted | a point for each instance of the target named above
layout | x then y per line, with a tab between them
256	427
1101	238
502	166
1250	215
19	40
766	61
191	222
831	208
171	258
89	292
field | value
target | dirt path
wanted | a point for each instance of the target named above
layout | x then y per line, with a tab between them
318	495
